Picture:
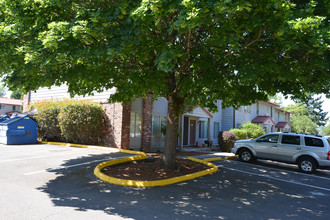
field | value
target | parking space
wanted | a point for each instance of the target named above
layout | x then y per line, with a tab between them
26	169
55	182
281	172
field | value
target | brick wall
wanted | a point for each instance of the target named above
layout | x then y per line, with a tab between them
26	101
147	123
114	125
125	128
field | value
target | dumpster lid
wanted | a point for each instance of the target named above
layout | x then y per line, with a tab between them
16	118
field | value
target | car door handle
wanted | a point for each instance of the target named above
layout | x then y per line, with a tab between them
274	145
298	148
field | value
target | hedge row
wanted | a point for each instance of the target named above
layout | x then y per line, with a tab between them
248	131
77	121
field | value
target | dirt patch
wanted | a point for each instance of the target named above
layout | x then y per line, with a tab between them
148	170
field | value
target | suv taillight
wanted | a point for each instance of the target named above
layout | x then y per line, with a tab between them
328	158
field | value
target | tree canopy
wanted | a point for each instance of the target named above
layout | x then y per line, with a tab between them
189	51
16	95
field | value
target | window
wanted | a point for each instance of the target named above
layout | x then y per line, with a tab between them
313	142
202	127
158	126
291	139
271	111
216	129
247	109
267	110
278	116
136	125
257	108
14	107
2	106
269	138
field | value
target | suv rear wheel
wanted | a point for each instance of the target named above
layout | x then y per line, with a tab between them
245	155
307	165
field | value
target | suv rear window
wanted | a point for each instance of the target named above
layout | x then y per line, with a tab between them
314	142
291	139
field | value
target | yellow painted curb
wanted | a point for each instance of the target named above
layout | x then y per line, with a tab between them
213	159
64	144
220	158
231	157
88	146
123	182
142	156
132	152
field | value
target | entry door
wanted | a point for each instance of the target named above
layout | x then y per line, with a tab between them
185	130
192	132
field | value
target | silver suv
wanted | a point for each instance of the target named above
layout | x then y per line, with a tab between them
308	151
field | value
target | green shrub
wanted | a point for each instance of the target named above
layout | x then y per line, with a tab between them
48	127
239	133
70	120
81	122
226	140
252	130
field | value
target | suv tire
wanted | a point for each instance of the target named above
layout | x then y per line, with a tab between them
245	155
307	165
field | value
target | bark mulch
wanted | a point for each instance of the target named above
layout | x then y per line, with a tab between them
148	170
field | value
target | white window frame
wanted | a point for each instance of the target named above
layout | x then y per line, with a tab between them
136	125
216	129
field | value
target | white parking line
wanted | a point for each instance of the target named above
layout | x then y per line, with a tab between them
283	170
74	165
38	150
274	178
30	158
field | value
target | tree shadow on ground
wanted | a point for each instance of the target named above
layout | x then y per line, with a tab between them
219	196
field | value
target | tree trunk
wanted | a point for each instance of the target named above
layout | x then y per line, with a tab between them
172	127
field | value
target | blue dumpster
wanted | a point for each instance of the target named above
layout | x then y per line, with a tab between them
18	130
4	118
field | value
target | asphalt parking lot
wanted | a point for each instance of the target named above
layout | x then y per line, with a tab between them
56	182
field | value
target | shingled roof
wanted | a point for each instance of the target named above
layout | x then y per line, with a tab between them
261	119
7	101
281	124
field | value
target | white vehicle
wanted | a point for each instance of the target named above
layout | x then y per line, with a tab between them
308	151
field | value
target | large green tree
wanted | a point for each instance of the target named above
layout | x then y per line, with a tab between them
314	106
16	94
301	121
303	124
326	131
2	91
189	51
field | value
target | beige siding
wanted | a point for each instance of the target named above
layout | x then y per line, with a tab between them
8	108
61	92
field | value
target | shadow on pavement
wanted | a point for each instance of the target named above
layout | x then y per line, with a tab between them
223	195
